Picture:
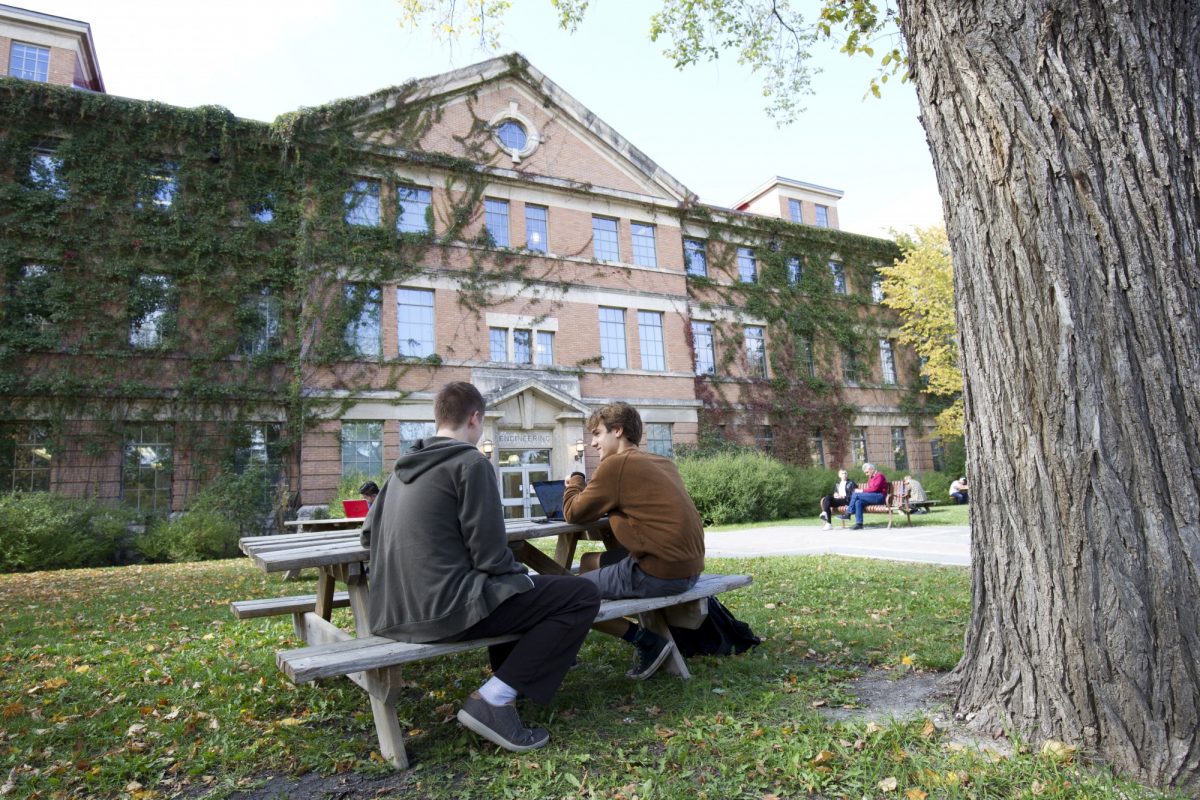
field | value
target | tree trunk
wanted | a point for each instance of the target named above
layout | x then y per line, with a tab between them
1065	136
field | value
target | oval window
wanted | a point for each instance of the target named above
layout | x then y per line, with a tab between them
512	135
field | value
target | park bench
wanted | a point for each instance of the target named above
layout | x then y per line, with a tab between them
374	662
891	504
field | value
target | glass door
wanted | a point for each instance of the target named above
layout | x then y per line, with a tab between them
518	470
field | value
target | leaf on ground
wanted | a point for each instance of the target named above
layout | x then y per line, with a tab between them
916	794
888	784
928	729
289	722
874	727
1058	751
821	758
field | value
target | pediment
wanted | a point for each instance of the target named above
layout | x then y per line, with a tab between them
559	397
454	114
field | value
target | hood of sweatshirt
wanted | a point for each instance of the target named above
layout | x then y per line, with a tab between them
427	454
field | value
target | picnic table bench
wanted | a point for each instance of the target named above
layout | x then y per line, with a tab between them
374	662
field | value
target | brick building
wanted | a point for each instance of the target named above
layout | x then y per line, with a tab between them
50	49
605	279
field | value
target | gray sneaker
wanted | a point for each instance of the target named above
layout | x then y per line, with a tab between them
649	652
500	725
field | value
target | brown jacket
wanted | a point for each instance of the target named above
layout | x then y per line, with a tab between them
651	514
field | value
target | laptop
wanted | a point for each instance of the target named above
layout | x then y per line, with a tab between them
355	508
550	495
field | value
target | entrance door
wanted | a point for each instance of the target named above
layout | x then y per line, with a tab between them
518	470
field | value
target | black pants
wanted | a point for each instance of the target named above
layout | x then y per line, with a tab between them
553	618
829	502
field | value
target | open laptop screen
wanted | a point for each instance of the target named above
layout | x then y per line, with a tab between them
550	495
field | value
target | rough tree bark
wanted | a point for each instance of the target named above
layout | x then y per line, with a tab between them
1065	138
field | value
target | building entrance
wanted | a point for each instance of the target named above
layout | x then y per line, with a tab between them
518	470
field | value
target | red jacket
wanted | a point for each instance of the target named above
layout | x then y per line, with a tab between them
877	483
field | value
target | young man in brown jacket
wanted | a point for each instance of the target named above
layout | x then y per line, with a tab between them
654	521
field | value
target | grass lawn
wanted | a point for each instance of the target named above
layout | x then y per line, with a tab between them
138	682
938	515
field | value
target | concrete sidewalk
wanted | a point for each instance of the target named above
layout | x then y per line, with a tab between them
930	544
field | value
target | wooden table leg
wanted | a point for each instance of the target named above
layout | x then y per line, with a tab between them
537	560
325	582
564	551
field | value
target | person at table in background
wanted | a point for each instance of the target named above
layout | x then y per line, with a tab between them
840	498
369	491
659	535
914	492
873	493
959	491
442	571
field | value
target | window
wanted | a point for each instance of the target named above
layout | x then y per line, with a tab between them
495	221
794	211
816	451
849	365
612	338
158	190
839	277
260	323
512	135
414	210
702	341
263	210
362	448
764	439
604	239
804	355
644	252
877	289
412	432
498	344
151	316
259	445
695	257
756	352
936	454
362	329
45	172
747	266
658	439
858	445
822	216
29	61
537	232
545	347
650	337
362	203
795	269
899	449
887	362
29	296
522	346
147	467
25	458
414	322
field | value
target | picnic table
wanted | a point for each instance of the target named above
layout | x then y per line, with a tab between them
374	662
334	524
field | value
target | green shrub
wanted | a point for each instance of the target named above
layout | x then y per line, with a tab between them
39	531
741	487
812	483
230	507
348	490
936	486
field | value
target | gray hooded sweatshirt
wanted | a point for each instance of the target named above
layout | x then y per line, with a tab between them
440	560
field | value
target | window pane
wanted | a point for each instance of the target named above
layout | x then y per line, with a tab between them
512	134
795	269
495	220
25	458
537	234
839	277
29	62
260	323
413	213
149	311
877	289
259	445
362	335
822	216
650	337
545	347
899	449
523	346
695	257
702	340
414	322
858	445
887	361
45	172
756	352
747	266
362	448
804	353
412	432
147	468
658	439
816	451
604	239
849	365
158	191
612	338
362	203
764	439
498	344
644	252
794	211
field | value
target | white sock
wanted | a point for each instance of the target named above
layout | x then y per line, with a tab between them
496	692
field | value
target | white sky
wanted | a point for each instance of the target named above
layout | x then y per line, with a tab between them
704	125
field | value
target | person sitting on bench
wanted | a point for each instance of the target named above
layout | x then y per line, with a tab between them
659	535
442	571
874	493
842	491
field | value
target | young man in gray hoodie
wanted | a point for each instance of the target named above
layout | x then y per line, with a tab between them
442	571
